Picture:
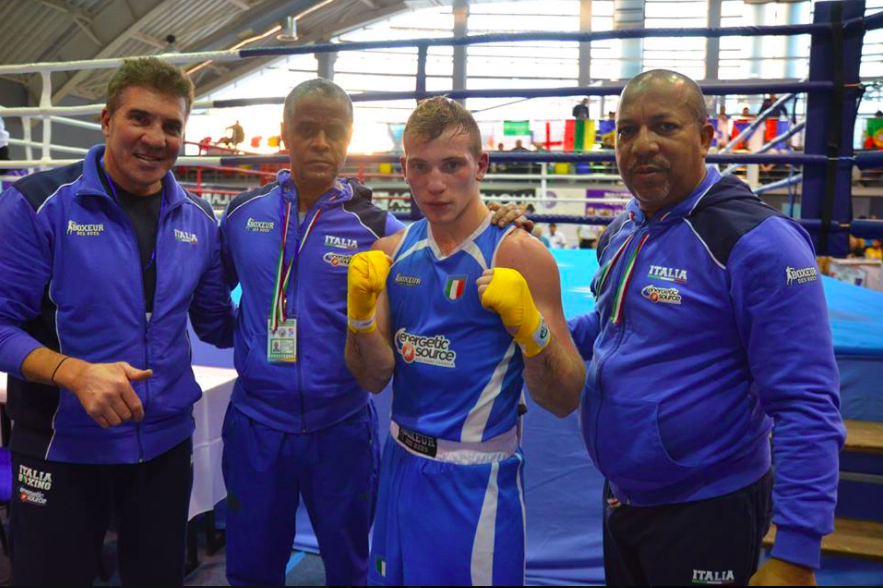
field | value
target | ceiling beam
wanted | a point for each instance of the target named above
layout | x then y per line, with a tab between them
149	40
324	32
109	50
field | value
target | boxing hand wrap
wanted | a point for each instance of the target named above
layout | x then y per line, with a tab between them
509	296
366	279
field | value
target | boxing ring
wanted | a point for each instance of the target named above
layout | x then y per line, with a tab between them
563	489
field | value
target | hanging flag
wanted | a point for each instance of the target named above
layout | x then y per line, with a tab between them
517	128
739	125
607	130
579	135
875	133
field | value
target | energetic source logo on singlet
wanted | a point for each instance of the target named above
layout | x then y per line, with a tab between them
435	350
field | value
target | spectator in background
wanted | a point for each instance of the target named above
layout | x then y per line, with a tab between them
780	110
878	114
499	168
538	233
723	127
581	110
746	113
556	240
236	136
875	251
587	236
520	168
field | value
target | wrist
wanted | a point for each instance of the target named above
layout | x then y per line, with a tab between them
356	325
69	372
537	339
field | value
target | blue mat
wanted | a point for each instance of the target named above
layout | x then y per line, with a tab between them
563	489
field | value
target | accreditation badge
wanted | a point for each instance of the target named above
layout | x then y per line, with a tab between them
282	342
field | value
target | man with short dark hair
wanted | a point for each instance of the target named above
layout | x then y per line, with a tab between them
581	110
448	306
103	261
557	240
702	286
298	424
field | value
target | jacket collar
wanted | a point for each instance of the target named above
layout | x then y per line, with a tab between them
680	209
340	192
93	167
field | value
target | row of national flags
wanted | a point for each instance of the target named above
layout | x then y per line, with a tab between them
578	136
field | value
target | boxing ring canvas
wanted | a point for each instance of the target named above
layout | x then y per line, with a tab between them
563	488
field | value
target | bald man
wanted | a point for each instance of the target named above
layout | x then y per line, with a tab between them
710	332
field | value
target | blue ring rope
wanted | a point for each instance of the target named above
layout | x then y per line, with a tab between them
612	90
574	37
866	229
868	23
550	157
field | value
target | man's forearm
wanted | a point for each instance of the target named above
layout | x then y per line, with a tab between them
44	366
555	379
370	359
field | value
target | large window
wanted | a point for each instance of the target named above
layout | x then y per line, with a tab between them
685	55
536	64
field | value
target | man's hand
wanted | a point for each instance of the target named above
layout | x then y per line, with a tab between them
509	213
505	291
366	279
104	390
777	572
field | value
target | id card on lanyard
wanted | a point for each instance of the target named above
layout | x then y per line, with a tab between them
282	330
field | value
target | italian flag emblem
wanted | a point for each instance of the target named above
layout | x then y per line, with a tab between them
455	288
381	567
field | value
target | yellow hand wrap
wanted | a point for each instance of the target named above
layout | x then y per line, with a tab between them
509	296
365	280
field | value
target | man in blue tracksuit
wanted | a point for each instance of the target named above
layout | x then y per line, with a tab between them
298	423
102	262
710	332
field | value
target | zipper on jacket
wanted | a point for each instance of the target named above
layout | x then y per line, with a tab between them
146	324
311	213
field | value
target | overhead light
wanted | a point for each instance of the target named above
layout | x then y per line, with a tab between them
289	30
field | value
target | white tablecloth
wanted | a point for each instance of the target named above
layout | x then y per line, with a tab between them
208	481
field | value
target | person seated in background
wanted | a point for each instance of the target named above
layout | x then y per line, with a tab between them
499	168
538	233
723	128
556	239
875	251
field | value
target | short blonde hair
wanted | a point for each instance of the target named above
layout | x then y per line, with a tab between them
434	116
149	72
